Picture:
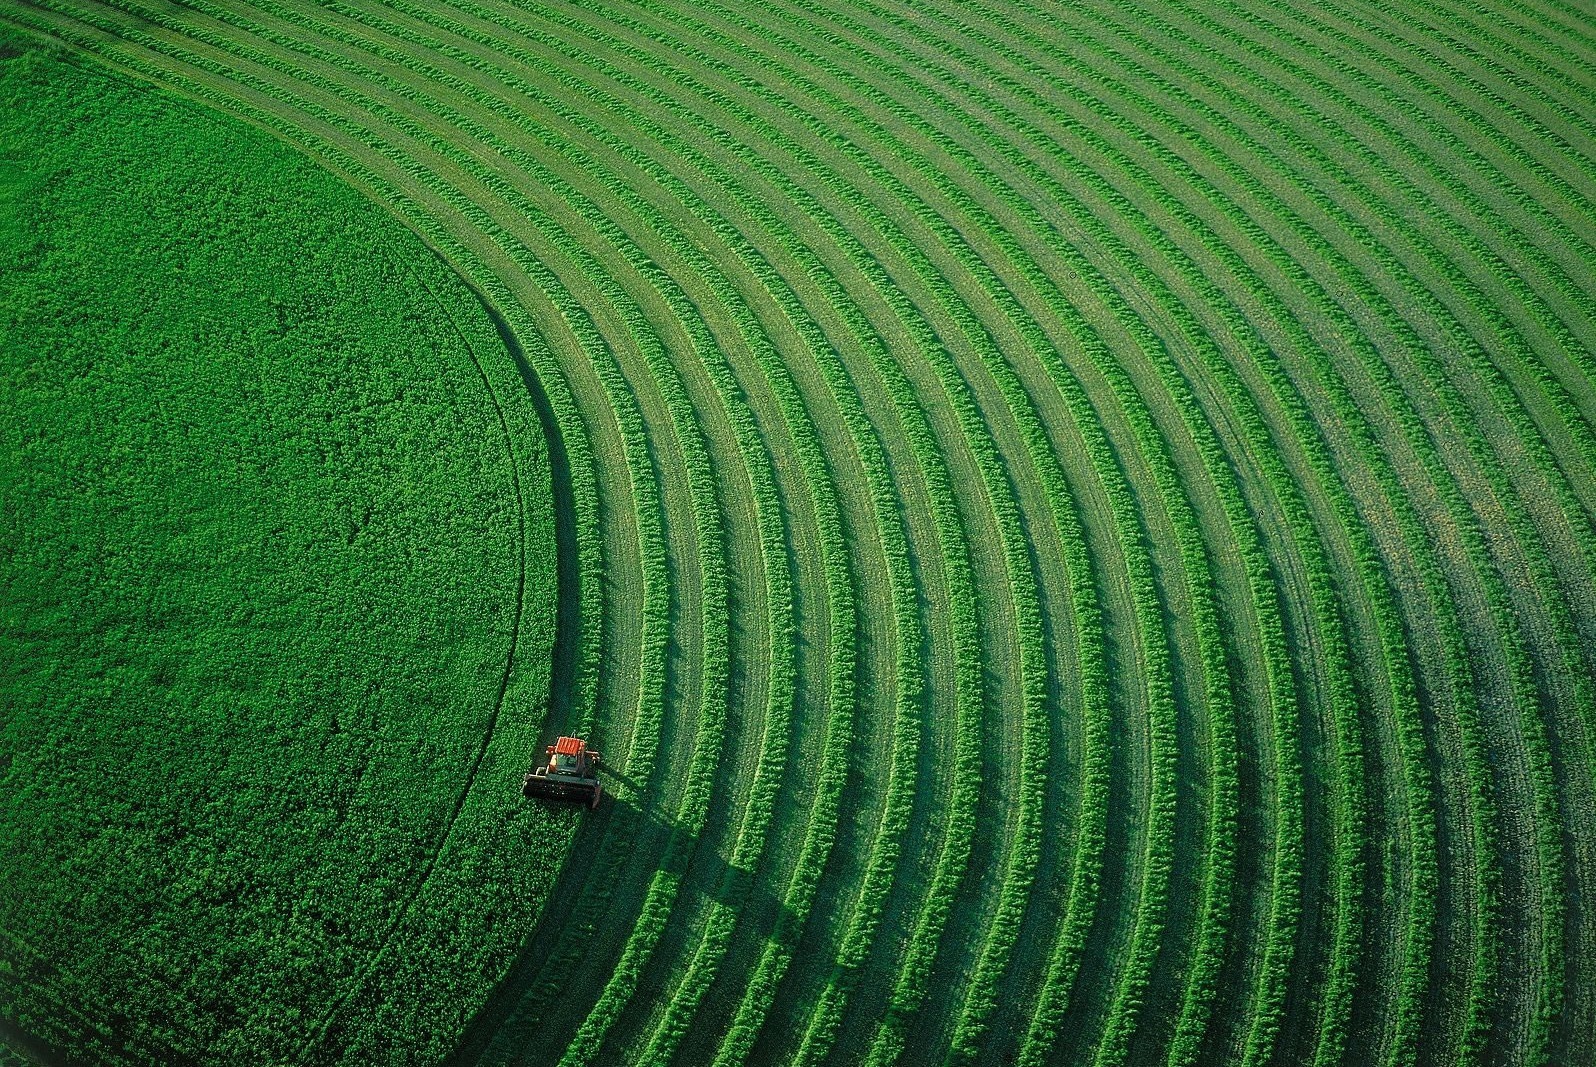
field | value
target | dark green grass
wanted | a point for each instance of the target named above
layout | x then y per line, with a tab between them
276	599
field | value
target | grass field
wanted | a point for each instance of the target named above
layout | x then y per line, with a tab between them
279	592
1076	523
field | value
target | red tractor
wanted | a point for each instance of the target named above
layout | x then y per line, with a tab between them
570	774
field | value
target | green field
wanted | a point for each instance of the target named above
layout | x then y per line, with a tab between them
1074	527
278	598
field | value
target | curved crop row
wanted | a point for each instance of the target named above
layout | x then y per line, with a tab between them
1436	373
840	731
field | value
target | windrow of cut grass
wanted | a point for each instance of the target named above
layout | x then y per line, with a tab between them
701	267
1443	273
1531	538
1486	307
1534	541
1517	405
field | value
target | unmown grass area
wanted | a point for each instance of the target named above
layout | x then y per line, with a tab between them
277	598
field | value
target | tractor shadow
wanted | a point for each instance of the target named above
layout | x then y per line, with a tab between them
568	575
589	916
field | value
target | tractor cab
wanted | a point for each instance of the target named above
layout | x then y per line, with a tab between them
571	773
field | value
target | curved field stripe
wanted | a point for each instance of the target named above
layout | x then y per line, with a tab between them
1178	523
1515	402
964	600
1531	539
845	731
1506	276
1562	624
